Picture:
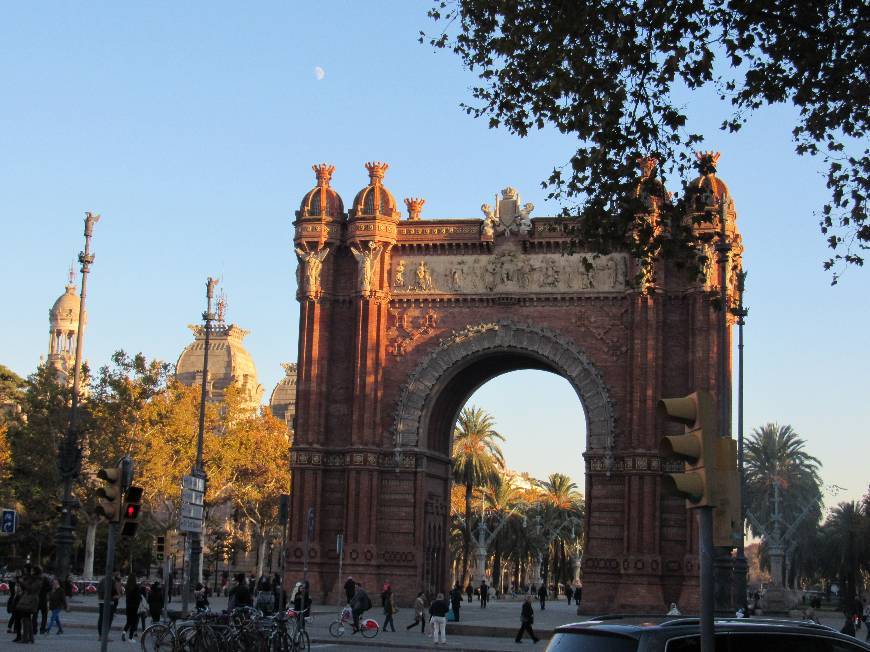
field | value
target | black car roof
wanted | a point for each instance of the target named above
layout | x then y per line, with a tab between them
689	625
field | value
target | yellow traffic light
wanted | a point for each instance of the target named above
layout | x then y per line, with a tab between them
109	496
727	521
697	447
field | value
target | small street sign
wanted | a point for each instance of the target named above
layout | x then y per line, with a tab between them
194	483
190	524
191	497
8	521
191	511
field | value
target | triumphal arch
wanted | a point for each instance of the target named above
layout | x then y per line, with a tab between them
402	318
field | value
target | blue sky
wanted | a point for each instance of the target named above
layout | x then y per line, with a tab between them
192	127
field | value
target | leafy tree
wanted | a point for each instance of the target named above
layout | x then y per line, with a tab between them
257	448
12	387
477	461
561	511
614	74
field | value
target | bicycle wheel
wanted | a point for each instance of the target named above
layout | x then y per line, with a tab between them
371	630
336	628
157	638
202	639
301	642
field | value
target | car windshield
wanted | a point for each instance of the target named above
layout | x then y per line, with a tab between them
591	642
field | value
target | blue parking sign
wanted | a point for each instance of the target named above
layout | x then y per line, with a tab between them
8	521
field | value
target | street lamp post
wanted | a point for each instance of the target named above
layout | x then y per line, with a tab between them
740	566
70	451
198	470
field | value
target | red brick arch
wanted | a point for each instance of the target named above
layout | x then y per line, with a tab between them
401	320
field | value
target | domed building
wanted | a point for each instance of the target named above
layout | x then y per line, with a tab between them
282	402
63	319
228	362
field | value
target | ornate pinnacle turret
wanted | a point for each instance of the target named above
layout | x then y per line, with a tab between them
377	170
415	206
647	165
707	161
323	172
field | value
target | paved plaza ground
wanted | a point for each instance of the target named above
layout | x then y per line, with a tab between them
492	628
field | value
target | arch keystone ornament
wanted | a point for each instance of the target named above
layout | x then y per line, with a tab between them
406	318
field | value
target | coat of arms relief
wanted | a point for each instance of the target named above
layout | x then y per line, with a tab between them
508	217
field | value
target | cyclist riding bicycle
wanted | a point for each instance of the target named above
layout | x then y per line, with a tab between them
359	604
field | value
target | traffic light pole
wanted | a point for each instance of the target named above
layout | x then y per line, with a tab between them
70	452
740	565
108	585
705	540
198	470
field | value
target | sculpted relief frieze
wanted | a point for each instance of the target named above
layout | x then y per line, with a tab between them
507	272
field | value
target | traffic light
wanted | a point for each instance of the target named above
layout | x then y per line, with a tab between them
727	521
160	548
109	496
697	446
132	511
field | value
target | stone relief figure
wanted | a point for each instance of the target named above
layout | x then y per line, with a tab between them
489	222
524	221
310	266
423	281
524	272
551	274
366	261
456	275
490	279
399	276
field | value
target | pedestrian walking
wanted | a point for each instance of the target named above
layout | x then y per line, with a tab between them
484	594
155	601
455	598
438	616
56	602
107	589
527	617
569	593
419	608
14	625
142	612
388	599
542	595
349	589
44	590
578	594
469	591
132	597
28	603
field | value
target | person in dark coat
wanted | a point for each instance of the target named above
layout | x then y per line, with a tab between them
56	602
484	594
133	597
240	594
359	604
469	591
456	600
526	619
28	603
578	594
14	624
569	593
155	601
44	590
542	595
388	599
349	589
107	588
438	617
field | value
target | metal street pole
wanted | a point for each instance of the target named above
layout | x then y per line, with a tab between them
198	471
740	565
705	536
70	451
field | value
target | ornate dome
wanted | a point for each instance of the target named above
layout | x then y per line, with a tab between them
283	399
708	189
375	199
66	309
228	362
322	200
650	189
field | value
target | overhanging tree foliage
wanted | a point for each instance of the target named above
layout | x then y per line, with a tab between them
610	73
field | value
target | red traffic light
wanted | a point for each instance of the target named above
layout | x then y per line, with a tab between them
132	510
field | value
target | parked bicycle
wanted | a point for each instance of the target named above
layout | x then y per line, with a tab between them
368	627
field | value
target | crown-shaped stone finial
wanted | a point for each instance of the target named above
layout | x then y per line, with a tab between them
323	172
377	170
647	164
415	207
707	161
509	193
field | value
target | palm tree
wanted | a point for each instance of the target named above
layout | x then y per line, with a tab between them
562	507
845	540
477	461
776	455
503	509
